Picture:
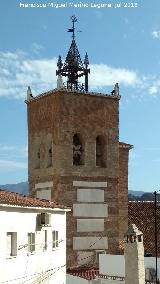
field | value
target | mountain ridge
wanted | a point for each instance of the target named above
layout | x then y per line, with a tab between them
22	188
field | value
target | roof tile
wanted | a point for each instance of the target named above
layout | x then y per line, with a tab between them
142	214
13	198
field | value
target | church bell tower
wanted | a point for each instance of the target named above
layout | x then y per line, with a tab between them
75	158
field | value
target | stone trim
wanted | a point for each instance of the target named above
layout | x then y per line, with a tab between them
45	184
89	184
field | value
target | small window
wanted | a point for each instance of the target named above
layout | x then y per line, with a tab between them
12	243
139	238
100	149
78	152
49	154
45	240
55	239
37	157
31	242
131	238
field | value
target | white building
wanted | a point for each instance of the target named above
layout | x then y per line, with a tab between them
32	240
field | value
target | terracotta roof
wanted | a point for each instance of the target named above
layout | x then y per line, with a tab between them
13	198
142	214
90	273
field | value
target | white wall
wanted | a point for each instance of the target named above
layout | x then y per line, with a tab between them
70	279
108	281
26	266
150	262
114	265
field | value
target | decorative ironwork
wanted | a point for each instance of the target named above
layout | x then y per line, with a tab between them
73	67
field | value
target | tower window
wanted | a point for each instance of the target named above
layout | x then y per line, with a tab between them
100	157
37	157
78	158
38	154
49	154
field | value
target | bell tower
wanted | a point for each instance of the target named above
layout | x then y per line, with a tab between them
75	158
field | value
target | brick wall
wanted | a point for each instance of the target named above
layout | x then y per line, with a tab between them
123	190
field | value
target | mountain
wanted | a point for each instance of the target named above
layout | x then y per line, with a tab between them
21	187
136	192
133	195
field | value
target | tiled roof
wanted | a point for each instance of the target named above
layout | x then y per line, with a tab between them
12	198
142	214
91	273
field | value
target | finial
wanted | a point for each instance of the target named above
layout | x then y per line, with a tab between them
115	91
59	63
72	30
116	87
29	94
59	82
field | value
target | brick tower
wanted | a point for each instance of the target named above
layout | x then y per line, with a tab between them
76	159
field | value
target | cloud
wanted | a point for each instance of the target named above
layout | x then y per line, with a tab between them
103	75
36	48
7	165
153	90
13	152
13	157
156	34
154	86
18	71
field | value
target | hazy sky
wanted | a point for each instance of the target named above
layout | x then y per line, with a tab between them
123	45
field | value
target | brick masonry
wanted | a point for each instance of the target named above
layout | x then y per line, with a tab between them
58	115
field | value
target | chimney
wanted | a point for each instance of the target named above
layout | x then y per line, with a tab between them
134	256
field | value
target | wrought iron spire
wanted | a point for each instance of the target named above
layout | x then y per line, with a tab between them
72	30
73	67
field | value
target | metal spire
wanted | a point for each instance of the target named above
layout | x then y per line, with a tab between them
73	67
72	30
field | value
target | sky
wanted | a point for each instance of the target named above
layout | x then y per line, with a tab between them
122	39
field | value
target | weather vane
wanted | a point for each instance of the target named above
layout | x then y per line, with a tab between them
72	30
